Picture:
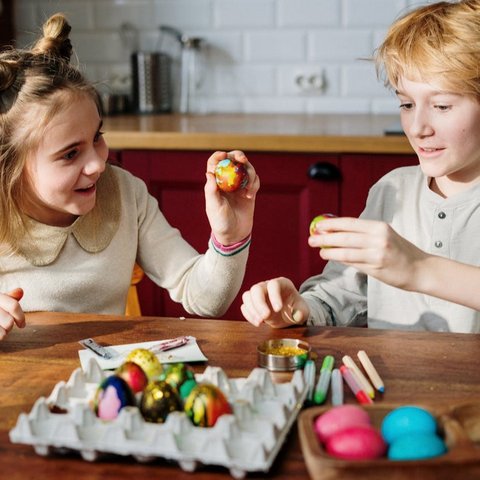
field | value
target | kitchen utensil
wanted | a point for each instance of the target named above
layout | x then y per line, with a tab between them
151	86
191	62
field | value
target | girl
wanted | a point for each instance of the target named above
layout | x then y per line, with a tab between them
72	226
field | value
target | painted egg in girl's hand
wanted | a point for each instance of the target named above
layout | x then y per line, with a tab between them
230	175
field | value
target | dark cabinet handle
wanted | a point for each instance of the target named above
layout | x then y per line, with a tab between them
323	171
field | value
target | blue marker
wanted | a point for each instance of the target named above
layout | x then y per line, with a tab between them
324	380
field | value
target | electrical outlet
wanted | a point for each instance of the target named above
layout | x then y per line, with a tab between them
310	81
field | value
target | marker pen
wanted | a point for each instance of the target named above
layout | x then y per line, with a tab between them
337	387
360	394
324	380
361	378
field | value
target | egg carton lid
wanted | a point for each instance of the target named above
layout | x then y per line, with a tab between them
247	440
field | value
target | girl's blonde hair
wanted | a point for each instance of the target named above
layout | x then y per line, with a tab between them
34	85
437	43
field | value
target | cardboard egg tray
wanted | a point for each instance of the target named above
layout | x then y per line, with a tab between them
459	425
247	440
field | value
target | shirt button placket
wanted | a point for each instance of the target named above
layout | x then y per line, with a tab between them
441	215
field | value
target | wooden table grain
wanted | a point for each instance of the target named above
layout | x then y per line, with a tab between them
438	369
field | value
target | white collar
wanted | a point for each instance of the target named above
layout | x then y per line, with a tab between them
94	231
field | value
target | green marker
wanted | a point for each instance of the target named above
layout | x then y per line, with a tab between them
324	380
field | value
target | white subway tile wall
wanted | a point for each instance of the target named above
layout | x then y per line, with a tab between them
260	56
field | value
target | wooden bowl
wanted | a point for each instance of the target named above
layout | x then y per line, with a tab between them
459	427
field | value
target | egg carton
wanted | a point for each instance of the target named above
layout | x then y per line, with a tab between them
247	440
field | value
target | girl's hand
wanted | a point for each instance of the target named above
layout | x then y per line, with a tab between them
370	246
11	312
230	214
276	302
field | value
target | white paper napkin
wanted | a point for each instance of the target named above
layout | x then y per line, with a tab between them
186	353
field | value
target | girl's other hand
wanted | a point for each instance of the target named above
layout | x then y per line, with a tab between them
11	312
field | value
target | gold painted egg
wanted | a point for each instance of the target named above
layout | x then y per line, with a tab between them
147	360
158	400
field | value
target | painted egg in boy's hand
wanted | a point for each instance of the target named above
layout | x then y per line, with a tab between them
317	219
230	175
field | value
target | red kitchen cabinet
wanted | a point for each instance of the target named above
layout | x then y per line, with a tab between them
294	188
360	172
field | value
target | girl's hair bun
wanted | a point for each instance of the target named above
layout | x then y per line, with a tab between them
55	41
8	72
11	78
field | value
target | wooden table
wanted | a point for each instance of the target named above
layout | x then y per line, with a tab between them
417	367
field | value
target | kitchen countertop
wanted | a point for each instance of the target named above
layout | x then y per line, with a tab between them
356	133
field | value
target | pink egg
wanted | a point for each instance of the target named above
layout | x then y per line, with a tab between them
338	418
357	443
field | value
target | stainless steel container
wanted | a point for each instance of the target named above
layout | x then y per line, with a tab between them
151	82
283	354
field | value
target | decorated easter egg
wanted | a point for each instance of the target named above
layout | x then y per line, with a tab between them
179	376
339	418
147	360
111	396
230	175
158	400
363	442
406	420
205	404
317	219
416	446
134	375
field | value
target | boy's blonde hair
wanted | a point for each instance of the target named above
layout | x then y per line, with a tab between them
34	85
437	43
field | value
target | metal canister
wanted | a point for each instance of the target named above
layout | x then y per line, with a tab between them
151	82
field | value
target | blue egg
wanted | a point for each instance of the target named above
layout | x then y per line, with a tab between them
406	420
416	446
111	396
